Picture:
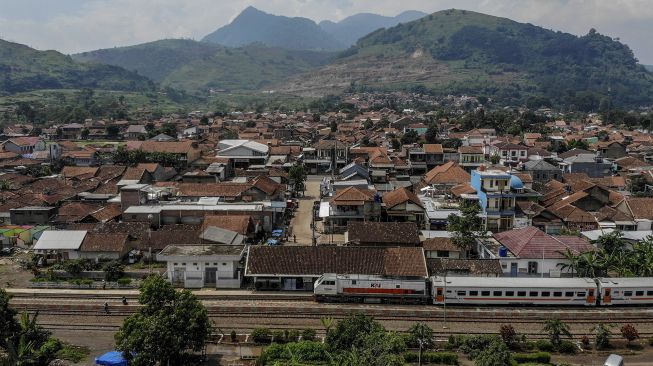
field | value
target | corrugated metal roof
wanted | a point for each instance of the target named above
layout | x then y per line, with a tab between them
60	239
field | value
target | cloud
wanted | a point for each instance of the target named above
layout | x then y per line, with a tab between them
79	25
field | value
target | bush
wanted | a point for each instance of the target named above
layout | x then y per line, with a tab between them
539	357
473	345
261	335
508	335
278	336
291	335
585	341
308	334
544	345
272	353
567	347
629	333
124	281
442	358
113	270
303	352
50	348
72	353
234	336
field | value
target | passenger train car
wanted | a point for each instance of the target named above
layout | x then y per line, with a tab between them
625	291
513	291
488	291
365	288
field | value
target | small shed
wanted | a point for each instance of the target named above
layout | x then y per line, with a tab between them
64	244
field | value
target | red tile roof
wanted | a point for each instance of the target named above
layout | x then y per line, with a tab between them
533	243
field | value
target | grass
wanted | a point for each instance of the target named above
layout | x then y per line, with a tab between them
72	353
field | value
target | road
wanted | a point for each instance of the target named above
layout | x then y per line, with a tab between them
301	223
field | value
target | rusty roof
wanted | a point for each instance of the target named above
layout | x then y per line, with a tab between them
382	233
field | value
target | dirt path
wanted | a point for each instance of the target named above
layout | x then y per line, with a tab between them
301	223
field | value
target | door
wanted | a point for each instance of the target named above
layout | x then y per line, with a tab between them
607	296
513	269
439	294
210	275
591	298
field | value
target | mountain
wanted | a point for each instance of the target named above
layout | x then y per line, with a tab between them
463	52
199	66
255	26
350	29
649	67
24	69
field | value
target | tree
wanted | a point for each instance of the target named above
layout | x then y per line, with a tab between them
466	229
495	159
571	261
508	334
410	137
396	145
611	242
297	176
9	326
422	335
166	329
113	270
629	333
368	124
556	329
602	335
350	332
431	135
85	133
334	126
327	323
495	354
113	130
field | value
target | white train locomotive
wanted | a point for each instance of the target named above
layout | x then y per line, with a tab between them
481	291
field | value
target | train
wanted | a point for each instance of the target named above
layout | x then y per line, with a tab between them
483	291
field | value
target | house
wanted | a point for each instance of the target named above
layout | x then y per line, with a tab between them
531	252
242	153
402	205
442	178
134	132
32	215
60	245
542	172
105	246
382	234
330	152
611	149
440	247
208	265
510	154
590	164
464	267
24	145
297	267
434	155
354	171
471	157
185	151
496	197
241	224
217	235
349	204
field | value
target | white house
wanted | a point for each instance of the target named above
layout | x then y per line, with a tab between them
62	244
530	251
211	265
243	153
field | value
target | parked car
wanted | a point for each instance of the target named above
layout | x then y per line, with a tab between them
614	360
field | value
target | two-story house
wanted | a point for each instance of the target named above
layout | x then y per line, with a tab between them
434	155
471	157
542	172
494	189
350	204
243	153
510	154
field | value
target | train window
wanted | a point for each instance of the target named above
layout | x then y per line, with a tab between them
546	293
485	293
497	293
462	293
628	293
557	294
473	293
399	286
639	293
649	293
353	282
569	294
533	293
580	294
510	293
521	293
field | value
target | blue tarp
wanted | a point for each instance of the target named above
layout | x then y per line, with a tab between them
113	358
273	242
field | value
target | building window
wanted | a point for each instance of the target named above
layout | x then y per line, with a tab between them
532	267
443	254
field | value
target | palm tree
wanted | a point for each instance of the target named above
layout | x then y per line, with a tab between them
621	262
572	261
592	264
556	328
423	336
327	323
642	257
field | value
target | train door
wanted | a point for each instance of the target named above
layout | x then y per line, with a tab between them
439	295
591	296
607	296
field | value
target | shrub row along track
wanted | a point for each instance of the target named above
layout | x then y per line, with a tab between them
244	315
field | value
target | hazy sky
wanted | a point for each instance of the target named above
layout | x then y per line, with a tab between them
73	26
